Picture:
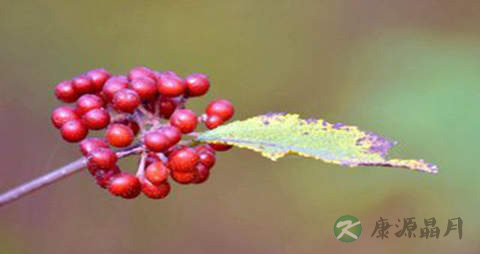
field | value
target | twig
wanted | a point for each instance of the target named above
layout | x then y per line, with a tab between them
56	175
141	166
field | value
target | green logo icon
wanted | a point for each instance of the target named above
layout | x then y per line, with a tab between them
347	228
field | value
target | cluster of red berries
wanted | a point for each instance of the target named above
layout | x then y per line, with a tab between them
147	106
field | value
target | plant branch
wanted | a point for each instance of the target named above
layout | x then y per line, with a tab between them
56	175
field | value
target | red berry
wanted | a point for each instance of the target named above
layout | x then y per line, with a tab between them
96	119
183	160
157	173
88	102
113	85
198	84
134	126
150	105
201	174
222	108
65	92
130	123
221	147
89	144
155	192
103	177
204	148
151	158
140	72
145	87
74	131
213	121
185	120
183	177
83	84
155	141
207	159
173	135
61	115
102	158
166	106
174	149
119	135
170	85
126	100
125	185
98	77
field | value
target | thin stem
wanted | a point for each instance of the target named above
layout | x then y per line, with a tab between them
202	118
42	181
55	175
194	134
141	166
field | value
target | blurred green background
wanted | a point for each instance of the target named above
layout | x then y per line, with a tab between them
408	70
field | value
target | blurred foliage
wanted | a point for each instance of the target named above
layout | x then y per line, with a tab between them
404	69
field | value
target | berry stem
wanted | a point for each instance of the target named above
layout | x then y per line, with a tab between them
44	180
202	118
194	134
141	166
145	112
56	175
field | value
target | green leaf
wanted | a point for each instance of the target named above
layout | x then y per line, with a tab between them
275	135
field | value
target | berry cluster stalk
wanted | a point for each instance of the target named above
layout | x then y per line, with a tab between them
53	176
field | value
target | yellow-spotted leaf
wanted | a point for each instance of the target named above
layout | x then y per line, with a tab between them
275	135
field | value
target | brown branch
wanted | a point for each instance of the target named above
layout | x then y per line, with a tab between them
55	175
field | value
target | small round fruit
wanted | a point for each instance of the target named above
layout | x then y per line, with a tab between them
155	141
151	158
65	92
221	147
113	85
183	160
207	159
185	120
98	77
222	108
119	135
61	115
125	185
103	177
198	84
183	177
151	105
74	131
140	72
155	192
173	134
88	102
213	121
145	87
83	84
126	100
166	107
174	149
96	119
201	174
157	173
170	85
90	144
102	158
204	148
132	124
